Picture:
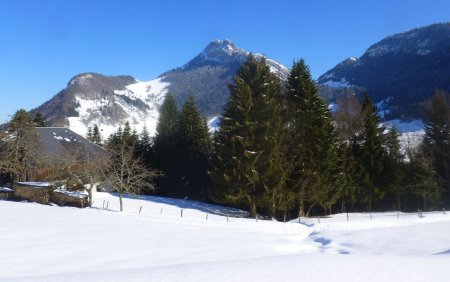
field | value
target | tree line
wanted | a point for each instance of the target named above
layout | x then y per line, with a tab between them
278	152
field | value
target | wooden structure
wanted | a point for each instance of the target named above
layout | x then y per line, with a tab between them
45	193
71	199
38	192
6	193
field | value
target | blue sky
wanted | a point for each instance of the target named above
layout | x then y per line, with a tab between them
43	43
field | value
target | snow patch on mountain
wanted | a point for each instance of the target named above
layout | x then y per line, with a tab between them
213	123
149	93
383	107
278	69
82	79
411	132
342	83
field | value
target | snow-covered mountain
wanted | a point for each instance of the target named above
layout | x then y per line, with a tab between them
110	101
406	68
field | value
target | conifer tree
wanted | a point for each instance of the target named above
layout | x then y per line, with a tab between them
166	148
421	179
89	133
96	137
393	168
370	155
21	148
348	124
39	120
310	140
193	158
244	148
437	137
145	146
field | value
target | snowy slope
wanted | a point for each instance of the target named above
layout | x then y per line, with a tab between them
148	95
110	101
47	243
411	132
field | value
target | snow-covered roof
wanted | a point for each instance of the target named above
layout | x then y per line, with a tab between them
6	189
38	185
72	194
57	141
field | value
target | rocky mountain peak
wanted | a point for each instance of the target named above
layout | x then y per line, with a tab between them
220	48
218	52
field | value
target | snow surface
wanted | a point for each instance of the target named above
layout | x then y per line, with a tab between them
49	243
213	123
36	184
80	195
151	93
6	189
411	132
342	83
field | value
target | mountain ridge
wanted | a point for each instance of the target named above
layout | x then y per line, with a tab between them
108	101
407	66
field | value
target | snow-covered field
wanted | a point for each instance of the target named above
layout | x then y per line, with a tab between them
49	243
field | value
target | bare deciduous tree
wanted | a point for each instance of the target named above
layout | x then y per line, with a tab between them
82	171
348	118
127	173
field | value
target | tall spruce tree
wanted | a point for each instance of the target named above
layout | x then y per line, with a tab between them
166	148
96	137
311	141
370	155
145	146
422	180
245	144
348	124
394	168
193	148
437	138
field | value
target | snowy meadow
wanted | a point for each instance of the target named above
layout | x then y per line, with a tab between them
163	239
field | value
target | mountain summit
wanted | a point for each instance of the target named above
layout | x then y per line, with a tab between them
110	101
217	52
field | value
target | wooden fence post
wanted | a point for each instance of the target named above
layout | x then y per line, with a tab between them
140	209
107	205
181	212
103	205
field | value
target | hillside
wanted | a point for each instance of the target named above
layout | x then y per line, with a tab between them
110	101
408	67
95	244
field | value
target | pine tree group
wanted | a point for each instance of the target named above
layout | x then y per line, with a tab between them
181	150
